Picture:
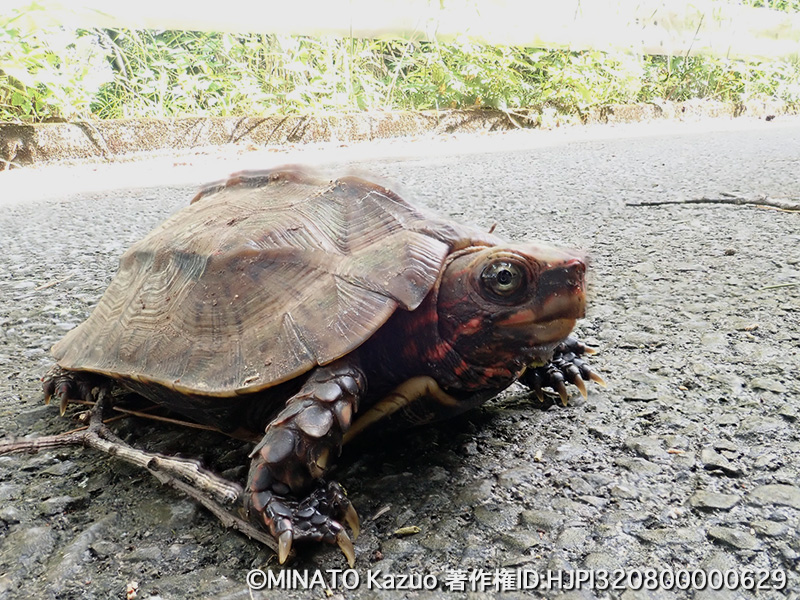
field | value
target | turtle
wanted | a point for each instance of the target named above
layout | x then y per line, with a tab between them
307	308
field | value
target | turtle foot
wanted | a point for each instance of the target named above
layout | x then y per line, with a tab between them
68	385
317	518
565	367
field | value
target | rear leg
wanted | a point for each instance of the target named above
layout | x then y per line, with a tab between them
67	385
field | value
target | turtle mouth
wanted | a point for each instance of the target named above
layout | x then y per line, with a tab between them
550	323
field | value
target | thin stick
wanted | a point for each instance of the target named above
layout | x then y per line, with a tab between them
778	286
788	205
137	413
100	437
85	427
168	470
227	518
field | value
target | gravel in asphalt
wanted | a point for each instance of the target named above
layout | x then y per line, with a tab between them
687	461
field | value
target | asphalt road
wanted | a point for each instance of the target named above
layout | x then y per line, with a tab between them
688	461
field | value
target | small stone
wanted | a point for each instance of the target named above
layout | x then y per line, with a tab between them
639	466
766	383
727	420
32	546
10	514
572	538
647	447
183	514
714	461
517	477
565	452
546	520
60	468
59	504
144	554
518	541
501	517
624	491
603	431
768	461
104	548
595	501
722	562
770	528
704	500
740	540
677	535
780	494
788	412
601	560
10	491
725	446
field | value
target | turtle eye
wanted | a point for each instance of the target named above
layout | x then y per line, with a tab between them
502	278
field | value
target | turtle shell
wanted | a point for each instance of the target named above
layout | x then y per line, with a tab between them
261	278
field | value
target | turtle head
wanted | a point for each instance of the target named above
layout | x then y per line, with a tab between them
510	305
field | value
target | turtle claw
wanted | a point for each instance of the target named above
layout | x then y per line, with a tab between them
566	366
578	383
62	407
285	545
561	390
352	521
597	379
346	546
67	386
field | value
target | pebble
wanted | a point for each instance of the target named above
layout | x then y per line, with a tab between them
669	535
780	494
647	447
517	477
10	514
544	519
770	528
722	562
622	490
765	383
639	466
518	541
501	517
788	412
144	554
572	538
768	461
59	504
29	546
61	468
741	540
714	461
104	548
705	500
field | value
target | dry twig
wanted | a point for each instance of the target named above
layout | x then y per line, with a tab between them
185	475
787	205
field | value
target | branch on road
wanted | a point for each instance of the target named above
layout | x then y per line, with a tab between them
203	487
785	205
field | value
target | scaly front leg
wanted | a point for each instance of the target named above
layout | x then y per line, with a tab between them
285	489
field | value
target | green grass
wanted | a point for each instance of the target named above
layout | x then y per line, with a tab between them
58	74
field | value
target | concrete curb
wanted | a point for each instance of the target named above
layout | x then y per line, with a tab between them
113	140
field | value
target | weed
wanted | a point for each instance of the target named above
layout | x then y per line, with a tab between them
112	73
